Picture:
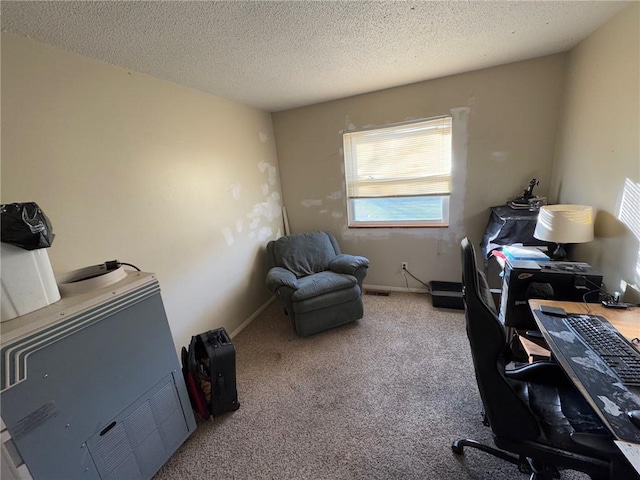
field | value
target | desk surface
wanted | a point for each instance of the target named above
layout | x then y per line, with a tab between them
627	322
609	398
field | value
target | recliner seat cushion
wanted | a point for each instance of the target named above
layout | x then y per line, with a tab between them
324	289
322	283
304	253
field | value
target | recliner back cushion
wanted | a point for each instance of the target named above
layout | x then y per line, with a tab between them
304	253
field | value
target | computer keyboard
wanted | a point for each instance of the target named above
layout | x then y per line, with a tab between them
620	355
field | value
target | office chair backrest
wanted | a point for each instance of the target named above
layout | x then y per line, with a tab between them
508	414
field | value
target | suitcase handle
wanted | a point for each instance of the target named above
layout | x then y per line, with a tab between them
220	388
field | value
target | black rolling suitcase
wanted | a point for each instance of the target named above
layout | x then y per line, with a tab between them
212	360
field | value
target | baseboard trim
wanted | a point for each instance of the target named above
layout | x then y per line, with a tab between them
374	288
252	317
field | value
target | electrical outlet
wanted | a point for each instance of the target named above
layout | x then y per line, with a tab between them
405	266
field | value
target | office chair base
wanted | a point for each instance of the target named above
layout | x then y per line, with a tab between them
537	470
521	462
542	471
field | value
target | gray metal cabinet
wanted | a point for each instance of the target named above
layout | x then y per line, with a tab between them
92	387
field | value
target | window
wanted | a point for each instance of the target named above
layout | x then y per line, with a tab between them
400	175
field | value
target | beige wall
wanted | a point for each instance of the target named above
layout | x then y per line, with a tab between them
186	184
598	154
126	166
507	119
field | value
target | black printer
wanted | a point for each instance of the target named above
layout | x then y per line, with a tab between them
526	279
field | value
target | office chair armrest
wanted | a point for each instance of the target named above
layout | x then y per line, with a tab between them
544	373
348	264
280	277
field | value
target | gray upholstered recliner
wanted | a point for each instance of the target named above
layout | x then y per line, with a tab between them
321	288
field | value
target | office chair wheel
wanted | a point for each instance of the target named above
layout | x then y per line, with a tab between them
485	420
524	466
457	448
542	471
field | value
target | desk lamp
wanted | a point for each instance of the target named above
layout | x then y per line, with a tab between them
563	224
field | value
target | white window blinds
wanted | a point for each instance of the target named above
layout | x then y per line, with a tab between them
403	160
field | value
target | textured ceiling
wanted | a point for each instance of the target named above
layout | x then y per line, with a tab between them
279	55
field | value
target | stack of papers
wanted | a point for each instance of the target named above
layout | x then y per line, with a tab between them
524	253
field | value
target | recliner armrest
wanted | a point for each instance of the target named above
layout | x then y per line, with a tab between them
348	264
281	277
545	373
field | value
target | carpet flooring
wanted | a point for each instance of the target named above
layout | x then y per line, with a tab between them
381	398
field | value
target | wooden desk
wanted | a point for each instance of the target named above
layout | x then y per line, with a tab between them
535	351
627	322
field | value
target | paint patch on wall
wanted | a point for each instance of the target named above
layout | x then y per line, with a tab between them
234	190
311	203
239	225
373	233
459	150
324	211
262	166
272	175
228	236
264	233
270	210
499	156
337	214
265	189
263	137
335	195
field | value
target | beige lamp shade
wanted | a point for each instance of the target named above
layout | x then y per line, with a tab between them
565	224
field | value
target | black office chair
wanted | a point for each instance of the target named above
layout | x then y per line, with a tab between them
539	420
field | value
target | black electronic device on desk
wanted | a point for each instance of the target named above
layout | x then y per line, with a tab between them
526	279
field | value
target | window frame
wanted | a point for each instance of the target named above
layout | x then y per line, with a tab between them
442	222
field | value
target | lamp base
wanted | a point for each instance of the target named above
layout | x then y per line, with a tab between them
559	254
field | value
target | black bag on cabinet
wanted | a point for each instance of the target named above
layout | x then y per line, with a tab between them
212	362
